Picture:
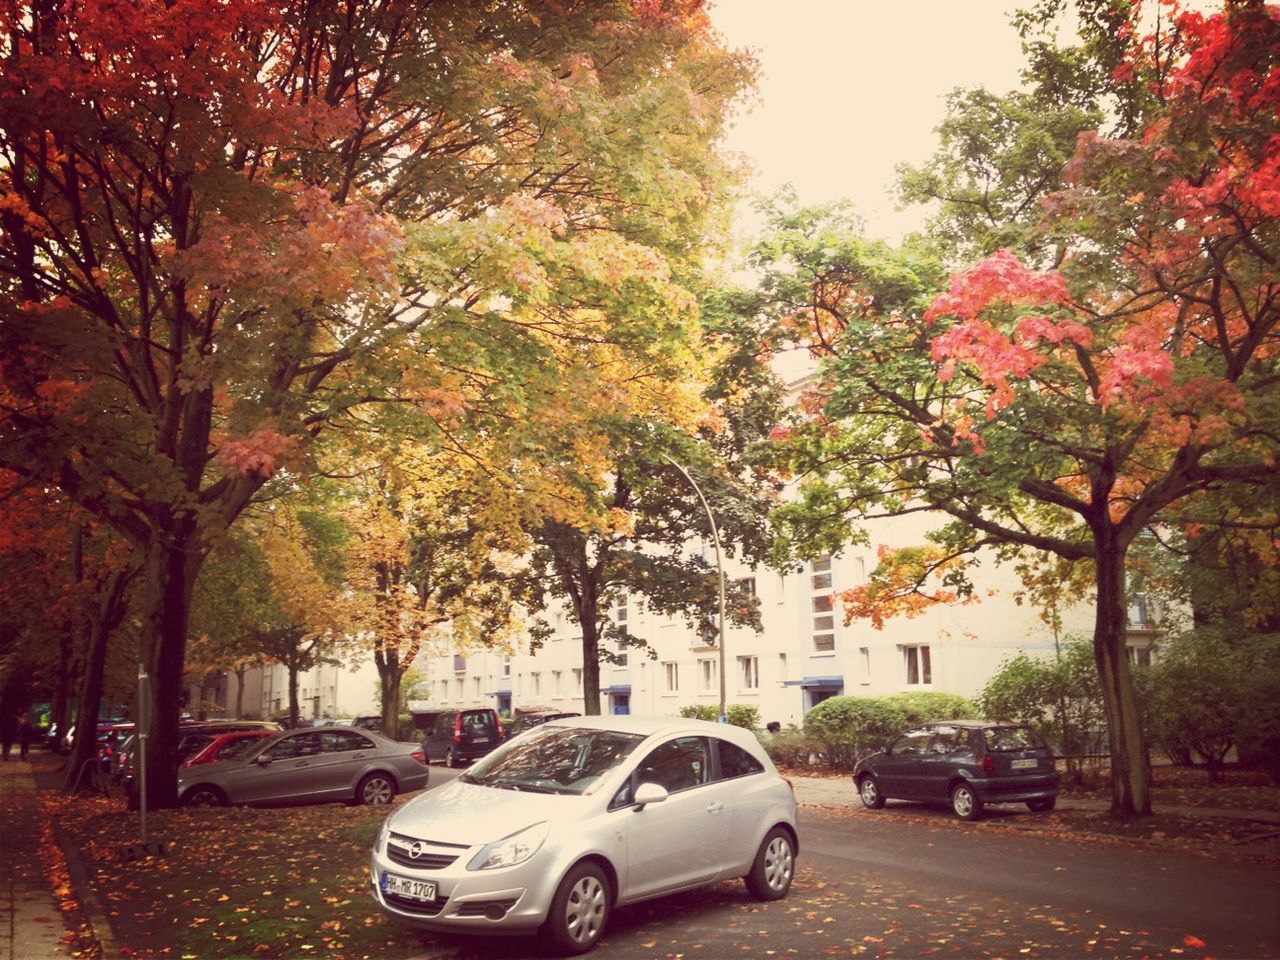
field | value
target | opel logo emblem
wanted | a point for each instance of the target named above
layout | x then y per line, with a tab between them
417	849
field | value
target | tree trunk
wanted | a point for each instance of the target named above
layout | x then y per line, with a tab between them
1130	777
293	693
590	666
172	562
240	670
105	616
387	660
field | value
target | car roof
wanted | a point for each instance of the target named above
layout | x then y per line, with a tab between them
653	726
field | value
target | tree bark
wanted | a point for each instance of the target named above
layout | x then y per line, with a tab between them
389	677
105	615
1130	777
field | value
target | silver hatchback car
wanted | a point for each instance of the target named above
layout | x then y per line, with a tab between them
320	765
555	828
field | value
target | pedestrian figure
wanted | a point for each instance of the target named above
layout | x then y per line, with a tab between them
8	731
25	733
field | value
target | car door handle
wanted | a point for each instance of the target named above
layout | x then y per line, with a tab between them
715	807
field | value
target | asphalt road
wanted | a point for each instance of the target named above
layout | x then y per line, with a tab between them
913	882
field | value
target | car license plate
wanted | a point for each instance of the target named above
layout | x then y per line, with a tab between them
480	739
424	890
1025	764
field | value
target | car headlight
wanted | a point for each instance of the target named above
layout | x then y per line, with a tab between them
383	834
512	850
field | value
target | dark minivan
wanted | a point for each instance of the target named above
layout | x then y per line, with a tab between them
967	763
457	736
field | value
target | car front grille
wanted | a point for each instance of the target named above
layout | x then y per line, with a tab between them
431	854
420	908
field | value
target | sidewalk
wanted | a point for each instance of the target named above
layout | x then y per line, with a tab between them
33	927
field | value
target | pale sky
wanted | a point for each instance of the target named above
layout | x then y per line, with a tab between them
851	88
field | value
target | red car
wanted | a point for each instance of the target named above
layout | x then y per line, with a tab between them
224	746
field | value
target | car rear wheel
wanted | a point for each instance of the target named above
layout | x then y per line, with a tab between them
965	804
451	758
774	867
204	797
1042	805
869	791
580	910
375	790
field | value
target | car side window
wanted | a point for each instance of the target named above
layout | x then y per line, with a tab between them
736	762
677	764
344	741
912	743
947	740
289	748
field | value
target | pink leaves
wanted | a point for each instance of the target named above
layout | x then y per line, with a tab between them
261	451
998	279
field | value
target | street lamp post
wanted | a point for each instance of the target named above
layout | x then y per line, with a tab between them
715	538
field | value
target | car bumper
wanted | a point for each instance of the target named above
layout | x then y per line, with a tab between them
511	900
1017	789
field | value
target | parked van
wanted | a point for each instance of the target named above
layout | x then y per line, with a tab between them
458	736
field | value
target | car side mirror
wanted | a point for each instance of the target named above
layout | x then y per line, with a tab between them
648	793
262	759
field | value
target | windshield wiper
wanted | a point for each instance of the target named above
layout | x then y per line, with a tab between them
520	786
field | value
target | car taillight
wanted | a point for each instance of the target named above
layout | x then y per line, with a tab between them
988	764
420	756
498	721
457	728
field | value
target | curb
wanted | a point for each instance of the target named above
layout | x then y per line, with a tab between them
94	913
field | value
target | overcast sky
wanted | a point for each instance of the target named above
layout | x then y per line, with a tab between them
851	88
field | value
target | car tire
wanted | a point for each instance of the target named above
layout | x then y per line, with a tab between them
774	866
869	792
451	759
579	910
965	803
1043	805
375	790
203	796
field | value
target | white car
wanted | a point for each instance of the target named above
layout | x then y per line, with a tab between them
557	827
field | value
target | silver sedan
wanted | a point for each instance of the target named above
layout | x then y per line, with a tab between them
557	827
309	766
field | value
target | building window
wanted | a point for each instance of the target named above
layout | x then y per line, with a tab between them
459	662
475	683
864	664
1142	612
707	670
535	683
620	611
823	603
745	585
577	679
1139	656
749	673
919	669
556	676
506	666
671	674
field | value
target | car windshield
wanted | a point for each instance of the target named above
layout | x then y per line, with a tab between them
1011	738
553	759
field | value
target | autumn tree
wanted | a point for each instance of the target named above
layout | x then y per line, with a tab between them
230	226
1066	411
428	565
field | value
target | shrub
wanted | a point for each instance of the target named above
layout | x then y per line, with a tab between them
850	728
739	714
744	715
700	711
792	748
926	706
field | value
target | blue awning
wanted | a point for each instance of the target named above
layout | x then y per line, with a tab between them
618	688
815	682
498	693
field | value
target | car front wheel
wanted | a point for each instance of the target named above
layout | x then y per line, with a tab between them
580	910
869	791
204	797
375	790
965	804
775	865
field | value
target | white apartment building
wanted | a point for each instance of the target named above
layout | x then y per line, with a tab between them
804	654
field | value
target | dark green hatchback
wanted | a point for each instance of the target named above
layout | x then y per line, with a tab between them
966	763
